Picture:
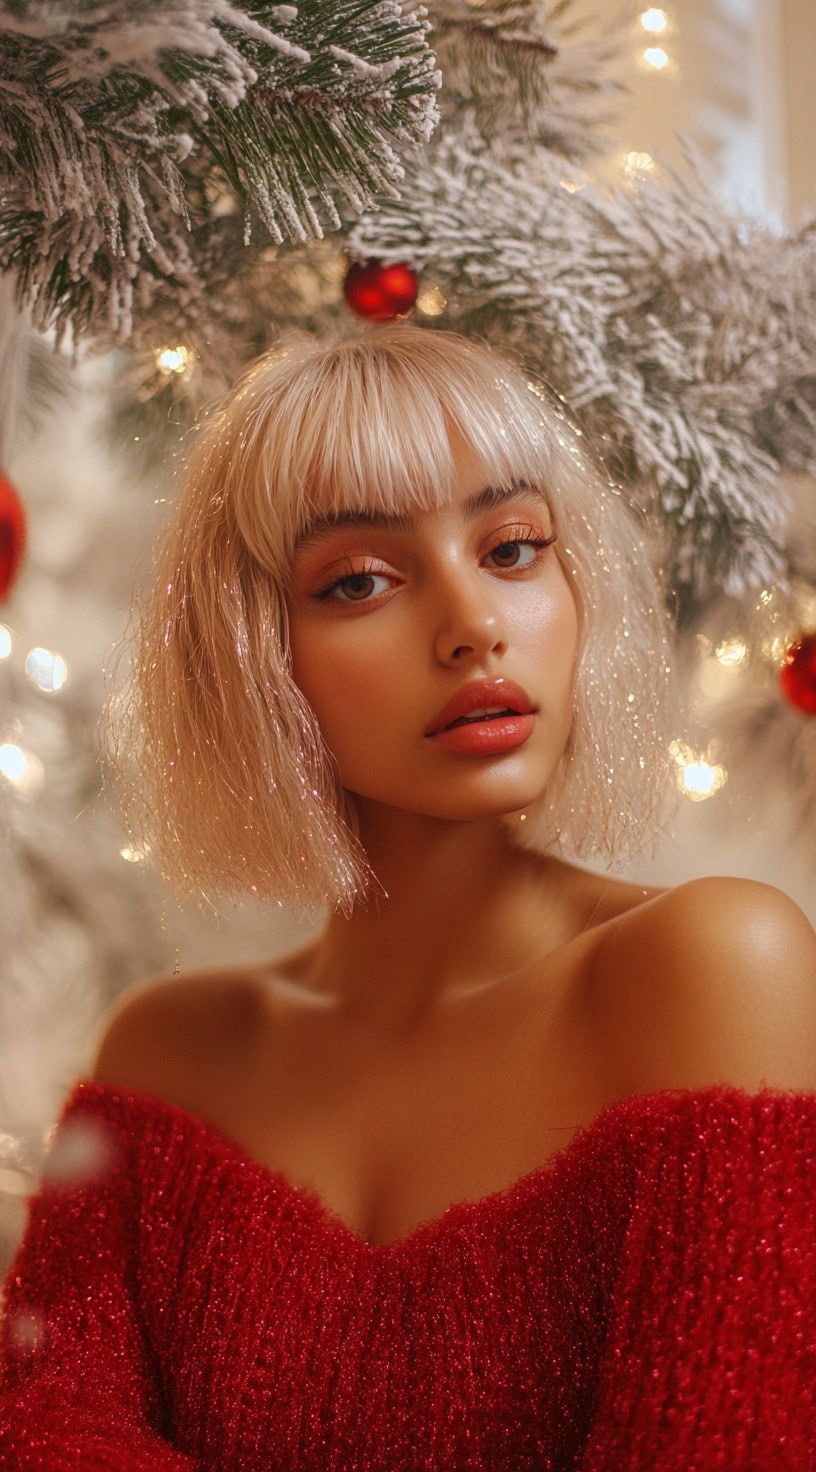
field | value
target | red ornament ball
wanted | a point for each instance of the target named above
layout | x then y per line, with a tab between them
798	673
379	292
12	534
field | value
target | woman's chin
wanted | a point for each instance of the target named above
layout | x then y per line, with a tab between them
451	807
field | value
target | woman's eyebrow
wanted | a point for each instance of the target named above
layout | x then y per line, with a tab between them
484	500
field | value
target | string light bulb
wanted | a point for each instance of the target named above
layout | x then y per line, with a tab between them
173	360
654	20
636	164
431	302
697	777
731	652
46	669
21	768
655	57
700	780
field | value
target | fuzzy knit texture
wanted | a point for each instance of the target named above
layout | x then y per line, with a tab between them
644	1302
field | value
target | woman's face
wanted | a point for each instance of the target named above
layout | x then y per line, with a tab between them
391	620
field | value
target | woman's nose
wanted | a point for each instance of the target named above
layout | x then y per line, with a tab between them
469	622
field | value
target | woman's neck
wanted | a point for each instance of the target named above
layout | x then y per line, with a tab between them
457	907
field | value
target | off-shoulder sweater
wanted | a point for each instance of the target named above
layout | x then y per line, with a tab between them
644	1302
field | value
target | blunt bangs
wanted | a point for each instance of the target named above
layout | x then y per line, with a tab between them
369	428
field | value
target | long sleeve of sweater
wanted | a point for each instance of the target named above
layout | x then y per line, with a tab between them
709	1360
78	1388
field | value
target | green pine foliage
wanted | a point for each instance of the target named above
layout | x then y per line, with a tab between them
128	131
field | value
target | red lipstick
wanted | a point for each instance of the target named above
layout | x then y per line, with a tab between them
484	717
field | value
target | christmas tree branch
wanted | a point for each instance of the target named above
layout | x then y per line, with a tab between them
109	116
673	328
526	65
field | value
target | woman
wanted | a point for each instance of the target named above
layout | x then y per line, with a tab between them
512	1166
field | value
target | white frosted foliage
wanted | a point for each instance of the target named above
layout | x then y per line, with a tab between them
118	129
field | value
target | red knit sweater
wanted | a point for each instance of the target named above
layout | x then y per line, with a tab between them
645	1302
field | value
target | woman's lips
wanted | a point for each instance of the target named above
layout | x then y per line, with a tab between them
486	737
482	696
484	718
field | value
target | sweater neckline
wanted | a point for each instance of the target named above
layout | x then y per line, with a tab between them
330	1222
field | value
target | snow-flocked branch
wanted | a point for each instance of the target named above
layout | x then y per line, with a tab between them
681	334
122	126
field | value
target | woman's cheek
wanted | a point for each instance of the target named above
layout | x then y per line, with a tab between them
343	679
548	627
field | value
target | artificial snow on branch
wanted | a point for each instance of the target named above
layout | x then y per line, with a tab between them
127	131
514	69
528	70
682	335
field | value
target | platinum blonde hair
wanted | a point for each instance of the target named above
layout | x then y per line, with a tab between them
224	769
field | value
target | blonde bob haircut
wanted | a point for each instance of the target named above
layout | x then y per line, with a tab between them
225	772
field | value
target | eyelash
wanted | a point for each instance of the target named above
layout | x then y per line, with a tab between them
519	536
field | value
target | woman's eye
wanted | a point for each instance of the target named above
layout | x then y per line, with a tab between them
519	553
356	587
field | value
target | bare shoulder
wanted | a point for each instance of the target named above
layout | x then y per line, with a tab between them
718	926
711	982
167	1032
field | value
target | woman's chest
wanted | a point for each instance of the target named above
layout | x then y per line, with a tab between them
390	1134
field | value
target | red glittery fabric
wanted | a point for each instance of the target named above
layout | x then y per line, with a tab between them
645	1302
